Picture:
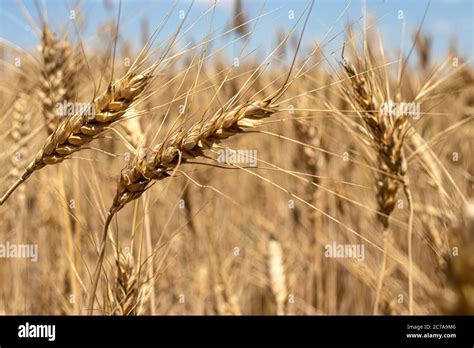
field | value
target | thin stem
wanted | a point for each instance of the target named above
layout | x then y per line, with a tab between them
382	270
410	245
100	261
12	189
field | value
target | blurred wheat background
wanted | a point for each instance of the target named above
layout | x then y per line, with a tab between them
133	213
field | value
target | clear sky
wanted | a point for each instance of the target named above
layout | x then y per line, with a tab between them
445	20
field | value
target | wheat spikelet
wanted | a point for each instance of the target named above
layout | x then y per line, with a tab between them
158	162
308	133
310	158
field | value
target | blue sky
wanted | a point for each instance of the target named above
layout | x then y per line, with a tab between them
446	19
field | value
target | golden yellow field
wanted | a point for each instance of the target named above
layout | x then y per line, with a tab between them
146	173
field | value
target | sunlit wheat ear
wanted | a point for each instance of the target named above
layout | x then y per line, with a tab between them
160	161
386	135
51	89
276	274
129	293
75	132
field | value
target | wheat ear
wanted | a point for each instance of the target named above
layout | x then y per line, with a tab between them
129	292
75	132
387	135
159	162
51	88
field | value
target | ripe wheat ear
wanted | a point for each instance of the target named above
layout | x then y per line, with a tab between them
75	132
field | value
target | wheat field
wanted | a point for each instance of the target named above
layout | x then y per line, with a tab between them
176	167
